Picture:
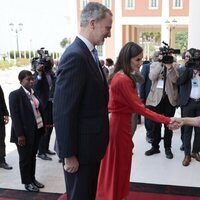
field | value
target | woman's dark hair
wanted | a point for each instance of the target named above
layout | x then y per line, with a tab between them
23	74
128	51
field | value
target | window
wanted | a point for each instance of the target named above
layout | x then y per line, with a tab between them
107	3
130	4
100	50
177	4
153	4
83	3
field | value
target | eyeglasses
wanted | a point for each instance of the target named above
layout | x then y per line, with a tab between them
187	56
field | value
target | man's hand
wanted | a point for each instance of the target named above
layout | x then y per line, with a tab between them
21	140
39	69
6	119
71	164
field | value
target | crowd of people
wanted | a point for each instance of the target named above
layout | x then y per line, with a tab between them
94	105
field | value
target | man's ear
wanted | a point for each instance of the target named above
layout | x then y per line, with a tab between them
92	23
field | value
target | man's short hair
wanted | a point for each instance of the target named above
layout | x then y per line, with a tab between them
109	61
93	10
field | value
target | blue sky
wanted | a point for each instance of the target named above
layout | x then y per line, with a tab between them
44	23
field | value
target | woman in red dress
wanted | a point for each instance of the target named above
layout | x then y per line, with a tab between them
114	176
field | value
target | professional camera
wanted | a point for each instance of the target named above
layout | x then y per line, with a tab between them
167	52
44	60
194	60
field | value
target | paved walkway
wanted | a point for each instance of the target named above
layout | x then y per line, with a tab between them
154	169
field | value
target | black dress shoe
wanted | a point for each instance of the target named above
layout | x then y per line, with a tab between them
152	151
31	187
38	184
168	153
44	157
50	152
4	165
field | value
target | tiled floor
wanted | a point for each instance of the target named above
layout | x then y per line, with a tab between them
154	169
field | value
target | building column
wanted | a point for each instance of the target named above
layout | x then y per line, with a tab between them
165	32
118	27
193	26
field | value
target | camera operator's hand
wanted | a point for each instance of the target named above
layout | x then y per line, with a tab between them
160	57
39	69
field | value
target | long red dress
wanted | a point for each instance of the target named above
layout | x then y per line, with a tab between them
114	176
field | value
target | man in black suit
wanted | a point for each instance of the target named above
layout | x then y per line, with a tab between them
80	105
4	119
144	92
44	85
105	69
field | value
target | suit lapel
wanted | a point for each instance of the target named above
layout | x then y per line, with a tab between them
25	99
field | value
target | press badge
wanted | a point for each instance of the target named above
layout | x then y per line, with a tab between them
160	84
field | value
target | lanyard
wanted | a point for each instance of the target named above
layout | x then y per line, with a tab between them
35	102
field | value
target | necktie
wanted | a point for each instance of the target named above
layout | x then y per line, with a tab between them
95	53
96	57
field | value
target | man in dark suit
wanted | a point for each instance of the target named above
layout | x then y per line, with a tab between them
80	105
144	91
44	85
105	69
4	119
189	95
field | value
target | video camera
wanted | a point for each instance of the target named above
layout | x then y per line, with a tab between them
194	60
166	52
44	60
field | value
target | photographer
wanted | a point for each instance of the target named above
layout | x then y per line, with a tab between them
44	84
189	92
163	98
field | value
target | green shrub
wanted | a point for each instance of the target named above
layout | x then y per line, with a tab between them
6	64
20	62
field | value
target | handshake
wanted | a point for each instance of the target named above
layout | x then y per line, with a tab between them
176	123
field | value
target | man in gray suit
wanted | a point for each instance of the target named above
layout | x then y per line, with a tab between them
80	105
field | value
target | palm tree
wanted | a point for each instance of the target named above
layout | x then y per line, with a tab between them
65	42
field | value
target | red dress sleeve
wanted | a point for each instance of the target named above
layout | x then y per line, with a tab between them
128	94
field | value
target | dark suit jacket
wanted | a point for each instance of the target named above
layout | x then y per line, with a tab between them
23	119
184	84
146	86
80	106
3	108
42	88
